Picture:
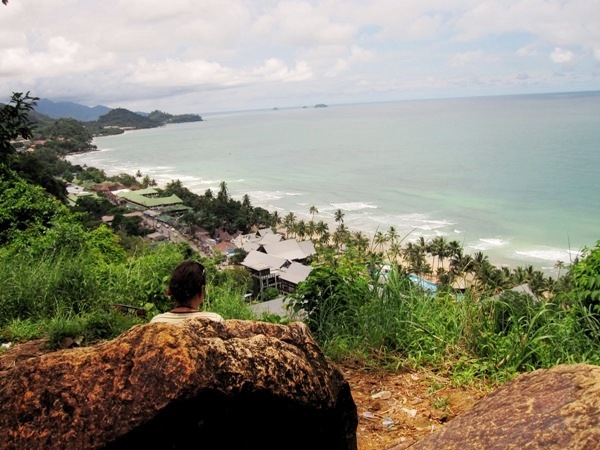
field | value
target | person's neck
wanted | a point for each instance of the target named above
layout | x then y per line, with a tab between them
191	306
184	309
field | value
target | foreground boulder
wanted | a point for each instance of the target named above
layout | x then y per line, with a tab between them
201	384
546	409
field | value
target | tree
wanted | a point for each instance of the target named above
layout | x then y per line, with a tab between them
15	123
339	216
313	210
380	240
585	279
223	194
289	222
559	266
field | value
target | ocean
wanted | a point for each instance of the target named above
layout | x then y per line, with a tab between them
516	177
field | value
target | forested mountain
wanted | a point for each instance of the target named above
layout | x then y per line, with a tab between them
121	117
58	110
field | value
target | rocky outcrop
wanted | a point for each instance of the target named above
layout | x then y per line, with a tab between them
546	409
198	385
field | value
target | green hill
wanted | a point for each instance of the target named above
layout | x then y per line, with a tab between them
123	118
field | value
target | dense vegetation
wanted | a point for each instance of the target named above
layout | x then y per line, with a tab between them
63	272
355	312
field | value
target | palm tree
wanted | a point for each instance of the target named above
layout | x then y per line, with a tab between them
275	220
340	236
313	210
394	251
301	229
380	240
289	222
223	194
311	228
324	239
559	266
360	241
339	216
438	248
392	235
321	228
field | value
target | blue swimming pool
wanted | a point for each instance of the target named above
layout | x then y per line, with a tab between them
423	283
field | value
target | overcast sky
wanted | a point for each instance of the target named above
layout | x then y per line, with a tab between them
214	55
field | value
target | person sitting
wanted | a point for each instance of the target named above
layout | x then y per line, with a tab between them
187	287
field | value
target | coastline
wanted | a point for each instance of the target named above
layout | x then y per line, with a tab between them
519	199
544	265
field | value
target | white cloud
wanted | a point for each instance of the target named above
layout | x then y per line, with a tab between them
300	23
560	55
276	70
228	50
528	50
465	58
558	23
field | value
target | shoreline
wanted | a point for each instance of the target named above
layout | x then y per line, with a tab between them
546	266
501	248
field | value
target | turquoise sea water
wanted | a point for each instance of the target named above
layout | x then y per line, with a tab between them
516	176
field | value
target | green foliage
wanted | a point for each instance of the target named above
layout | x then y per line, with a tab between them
238	256
120	117
107	324
327	292
15	123
269	293
353	316
21	330
584	295
585	279
25	209
125	179
35	171
86	329
61	327
142	279
67	136
239	277
228	301
91	174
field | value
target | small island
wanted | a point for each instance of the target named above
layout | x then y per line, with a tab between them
320	105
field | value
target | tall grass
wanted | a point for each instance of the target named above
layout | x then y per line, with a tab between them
228	301
470	337
47	287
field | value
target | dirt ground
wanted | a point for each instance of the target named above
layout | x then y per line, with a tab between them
394	409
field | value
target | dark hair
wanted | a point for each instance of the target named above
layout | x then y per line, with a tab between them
187	280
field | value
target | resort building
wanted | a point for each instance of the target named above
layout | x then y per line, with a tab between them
74	192
264	269
149	199
273	262
292	276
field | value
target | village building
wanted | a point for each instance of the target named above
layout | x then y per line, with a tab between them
289	249
225	248
149	199
74	192
292	276
264	269
275	262
108	190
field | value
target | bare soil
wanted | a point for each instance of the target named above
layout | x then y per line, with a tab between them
395	410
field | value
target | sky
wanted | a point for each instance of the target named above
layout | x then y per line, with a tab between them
198	56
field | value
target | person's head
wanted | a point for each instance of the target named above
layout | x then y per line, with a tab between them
187	281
